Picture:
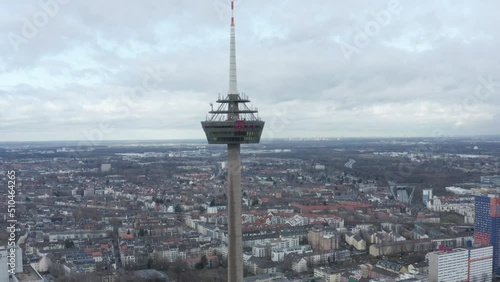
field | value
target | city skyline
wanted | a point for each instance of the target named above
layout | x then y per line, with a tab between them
130	71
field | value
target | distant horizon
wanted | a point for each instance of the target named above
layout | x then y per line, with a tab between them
263	139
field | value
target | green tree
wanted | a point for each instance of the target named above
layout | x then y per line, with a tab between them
199	265
68	244
178	208
179	266
202	263
204	260
142	233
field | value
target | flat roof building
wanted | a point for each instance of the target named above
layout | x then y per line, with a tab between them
460	264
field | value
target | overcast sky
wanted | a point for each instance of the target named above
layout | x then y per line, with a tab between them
94	70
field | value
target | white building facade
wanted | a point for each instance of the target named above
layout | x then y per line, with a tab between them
481	264
461	265
448	265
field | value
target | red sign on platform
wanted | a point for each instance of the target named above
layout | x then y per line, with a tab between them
239	125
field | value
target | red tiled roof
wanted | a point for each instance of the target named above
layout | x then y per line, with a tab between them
127	236
346	205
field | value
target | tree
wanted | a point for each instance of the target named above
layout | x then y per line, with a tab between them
201	209
178	208
287	263
141	232
79	277
161	264
199	265
204	260
127	276
303	241
179	266
68	244
56	269
202	263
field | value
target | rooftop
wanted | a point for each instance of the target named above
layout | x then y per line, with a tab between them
29	274
274	277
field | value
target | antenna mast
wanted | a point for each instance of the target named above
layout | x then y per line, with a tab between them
233	85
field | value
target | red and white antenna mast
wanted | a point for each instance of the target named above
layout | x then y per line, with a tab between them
233	85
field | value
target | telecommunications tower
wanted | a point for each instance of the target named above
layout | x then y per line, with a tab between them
233	123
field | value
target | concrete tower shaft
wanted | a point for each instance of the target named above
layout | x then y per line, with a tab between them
235	238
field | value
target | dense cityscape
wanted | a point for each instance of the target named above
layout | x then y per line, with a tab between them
313	210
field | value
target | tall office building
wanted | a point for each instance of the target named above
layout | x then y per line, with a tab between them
402	194
233	123
426	196
474	264
4	274
487	226
19	259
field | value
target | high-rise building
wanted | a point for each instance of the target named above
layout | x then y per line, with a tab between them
474	264
448	265
480	264
426	196
19	259
402	194
4	260
233	123
487	226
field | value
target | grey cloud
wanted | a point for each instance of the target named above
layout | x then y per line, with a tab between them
419	68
